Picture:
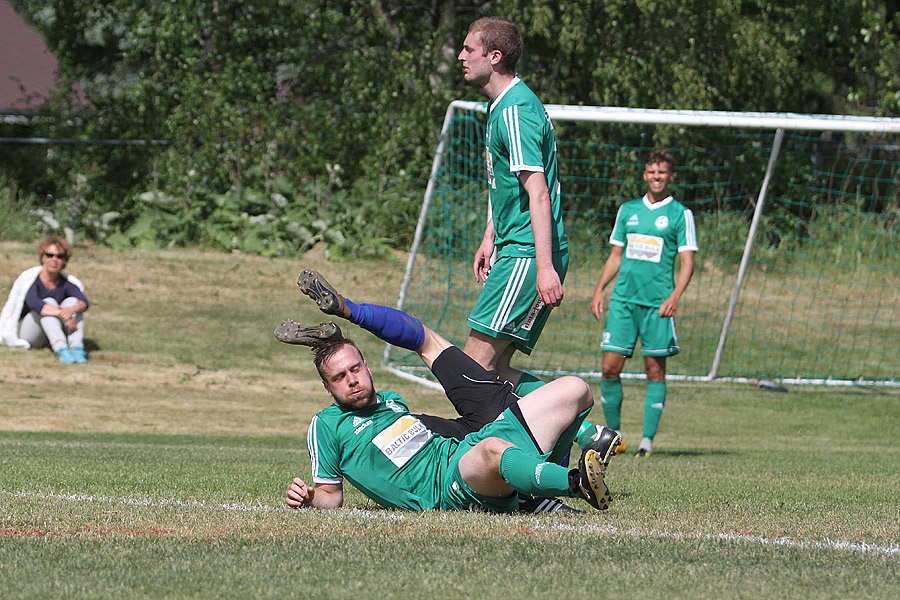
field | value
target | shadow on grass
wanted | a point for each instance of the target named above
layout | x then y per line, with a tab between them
683	453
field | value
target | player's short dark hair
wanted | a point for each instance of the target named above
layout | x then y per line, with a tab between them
660	155
328	348
500	34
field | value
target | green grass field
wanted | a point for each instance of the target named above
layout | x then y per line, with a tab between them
158	469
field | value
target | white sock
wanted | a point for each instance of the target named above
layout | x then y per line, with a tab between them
646	444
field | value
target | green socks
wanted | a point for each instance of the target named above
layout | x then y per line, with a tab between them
531	475
611	400
585	434
653	407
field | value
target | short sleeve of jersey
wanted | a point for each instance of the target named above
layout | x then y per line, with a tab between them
687	241
324	453
617	237
523	132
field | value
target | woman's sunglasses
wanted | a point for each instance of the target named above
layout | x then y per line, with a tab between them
59	256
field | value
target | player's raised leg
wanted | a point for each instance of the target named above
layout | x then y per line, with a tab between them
389	324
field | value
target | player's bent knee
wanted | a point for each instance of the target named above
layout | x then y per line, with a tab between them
492	448
578	391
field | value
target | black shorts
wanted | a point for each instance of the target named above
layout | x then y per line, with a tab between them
476	393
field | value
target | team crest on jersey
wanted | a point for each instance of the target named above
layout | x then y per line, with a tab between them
662	222
394	406
402	439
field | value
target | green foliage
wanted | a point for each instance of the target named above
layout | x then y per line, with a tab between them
17	219
284	222
253	96
714	54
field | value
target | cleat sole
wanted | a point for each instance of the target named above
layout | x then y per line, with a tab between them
292	332
316	287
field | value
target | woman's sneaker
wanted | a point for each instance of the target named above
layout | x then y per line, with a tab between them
65	356
79	354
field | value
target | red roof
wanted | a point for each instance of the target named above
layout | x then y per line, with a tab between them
25	62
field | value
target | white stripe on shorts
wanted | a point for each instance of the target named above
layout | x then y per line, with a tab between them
511	293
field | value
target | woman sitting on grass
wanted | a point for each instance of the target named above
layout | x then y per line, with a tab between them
46	306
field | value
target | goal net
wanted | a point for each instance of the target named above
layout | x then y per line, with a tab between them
798	222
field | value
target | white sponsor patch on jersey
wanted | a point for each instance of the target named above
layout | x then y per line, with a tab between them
402	439
644	247
489	161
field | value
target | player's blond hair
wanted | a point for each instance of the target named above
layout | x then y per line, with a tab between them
328	348
503	35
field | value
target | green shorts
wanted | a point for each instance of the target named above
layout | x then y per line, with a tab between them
626	321
509	307
456	493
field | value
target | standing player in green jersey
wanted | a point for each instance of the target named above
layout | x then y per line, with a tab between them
648	234
371	439
524	226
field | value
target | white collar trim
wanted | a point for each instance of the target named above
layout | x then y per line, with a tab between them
656	205
514	81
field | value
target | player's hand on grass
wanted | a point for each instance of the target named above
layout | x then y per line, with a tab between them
299	494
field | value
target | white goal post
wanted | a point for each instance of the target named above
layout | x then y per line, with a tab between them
831	162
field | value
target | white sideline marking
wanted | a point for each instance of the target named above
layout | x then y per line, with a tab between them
234	506
825	544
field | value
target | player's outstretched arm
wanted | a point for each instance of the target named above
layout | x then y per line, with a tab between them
324	495
613	262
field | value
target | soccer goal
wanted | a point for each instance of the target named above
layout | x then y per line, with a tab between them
798	221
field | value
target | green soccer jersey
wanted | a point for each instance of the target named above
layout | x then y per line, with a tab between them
652	234
520	137
383	450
